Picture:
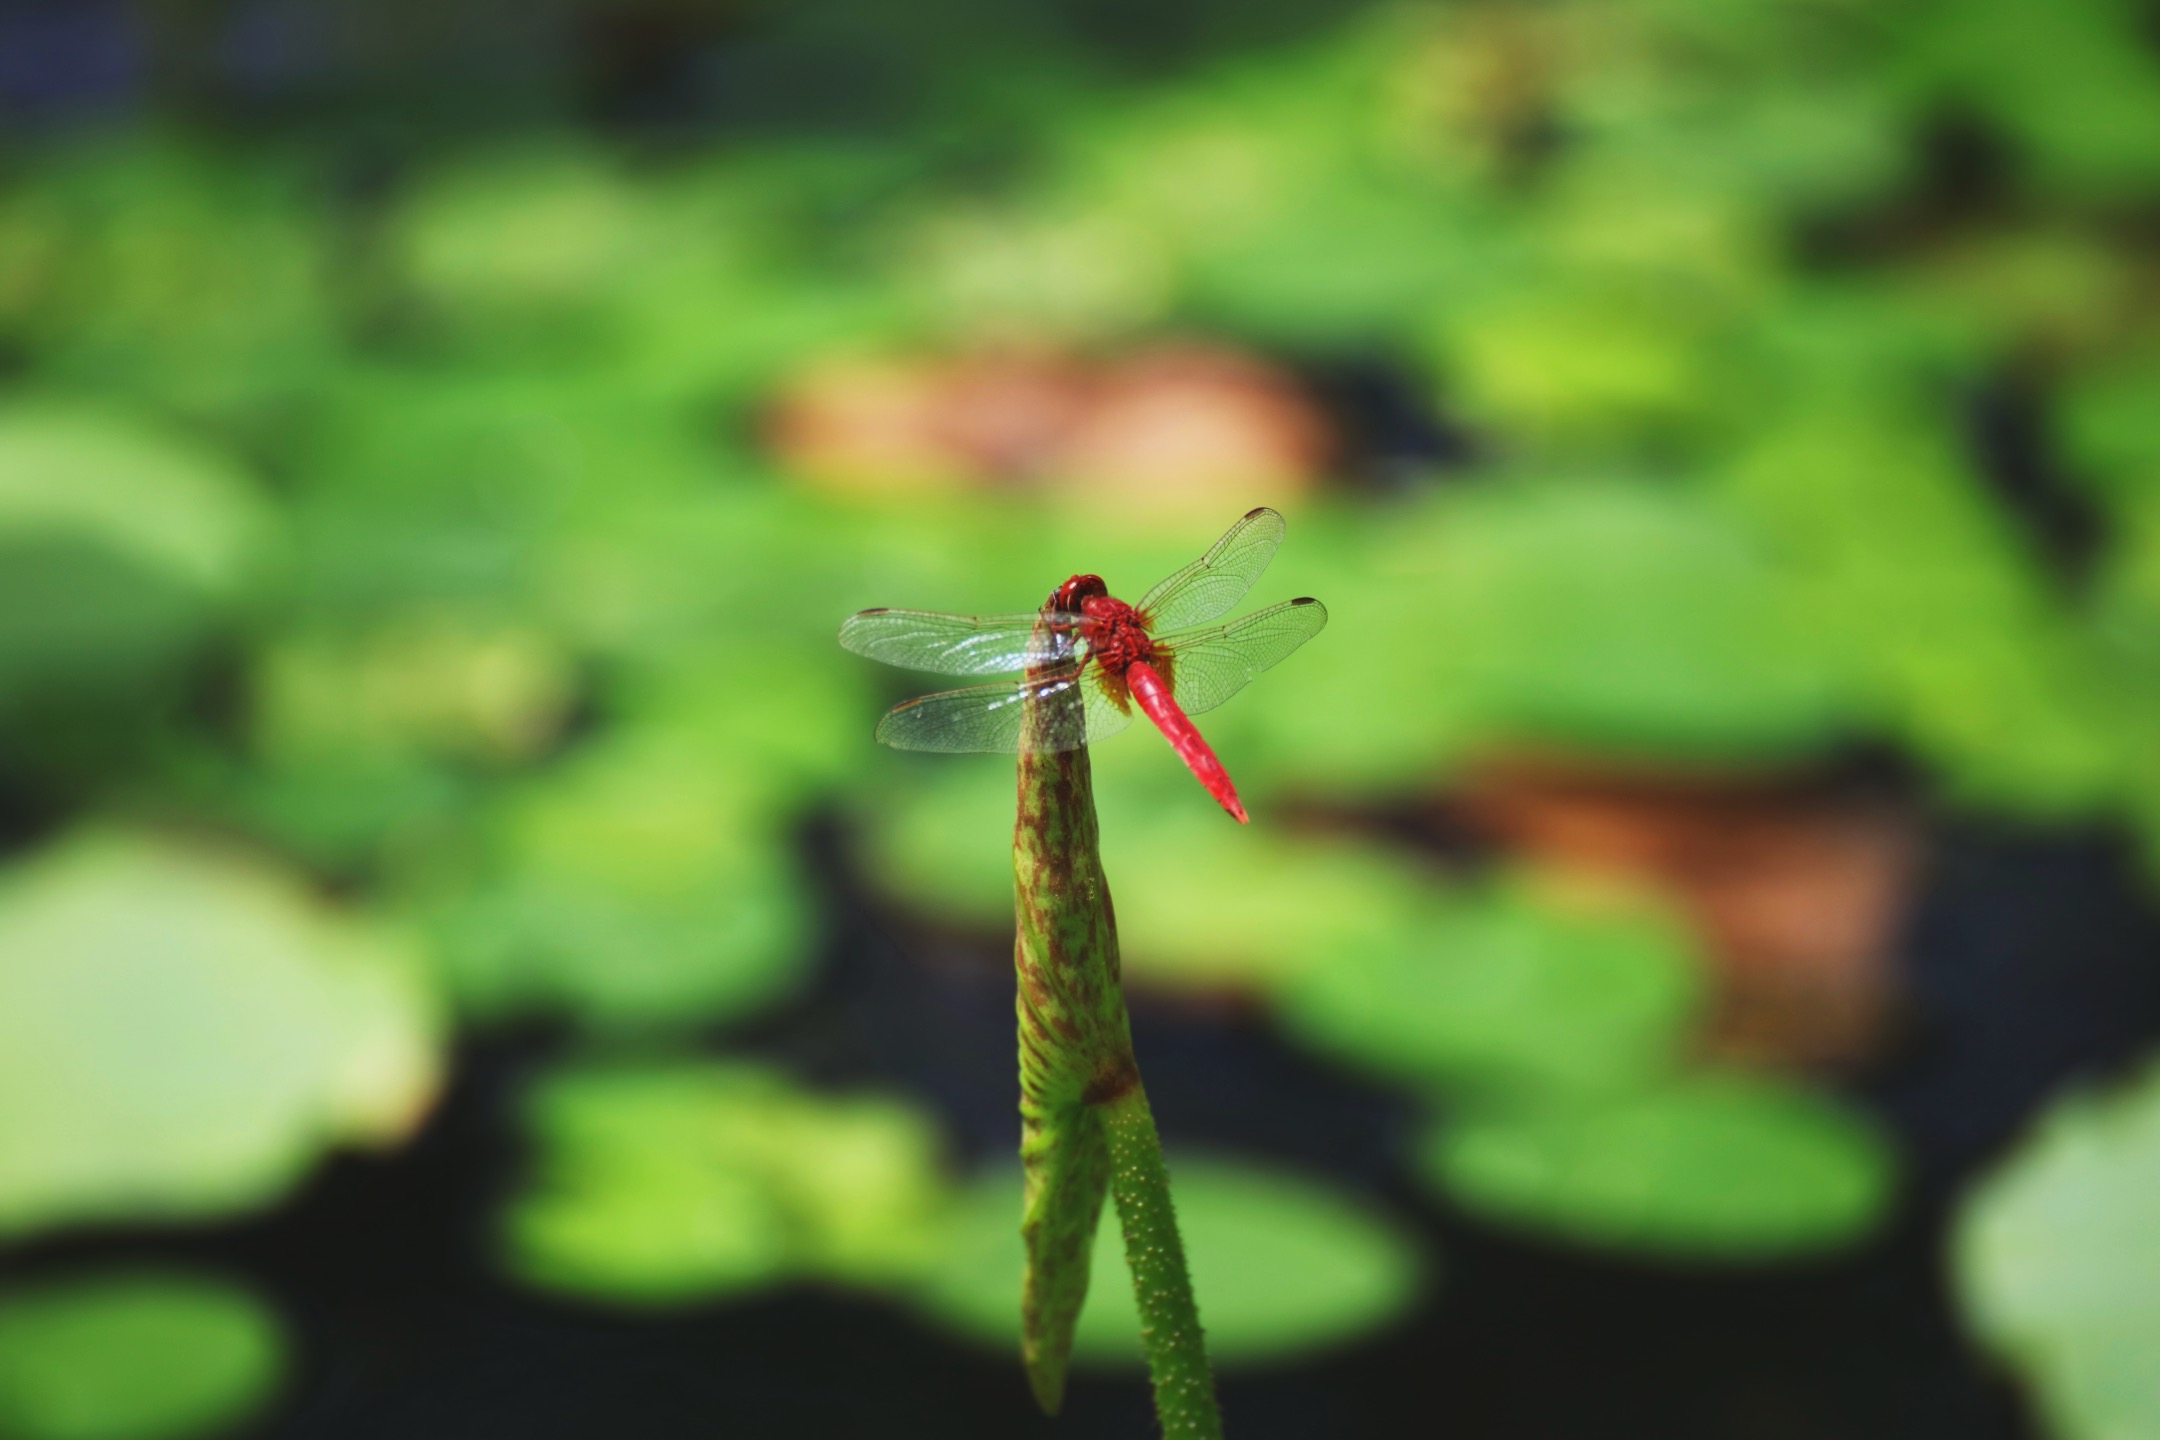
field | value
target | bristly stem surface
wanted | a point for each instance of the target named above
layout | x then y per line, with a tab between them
1154	1252
1085	1125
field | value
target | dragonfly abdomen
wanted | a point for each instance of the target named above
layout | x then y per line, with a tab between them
1152	693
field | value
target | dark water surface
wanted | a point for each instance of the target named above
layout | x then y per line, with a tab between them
2024	965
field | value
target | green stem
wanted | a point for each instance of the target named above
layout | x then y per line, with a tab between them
1169	1320
1085	1124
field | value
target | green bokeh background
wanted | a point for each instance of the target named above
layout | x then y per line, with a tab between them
409	635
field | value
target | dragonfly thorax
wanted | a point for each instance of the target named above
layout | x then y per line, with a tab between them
1116	637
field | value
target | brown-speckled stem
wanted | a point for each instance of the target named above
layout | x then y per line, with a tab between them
1082	1110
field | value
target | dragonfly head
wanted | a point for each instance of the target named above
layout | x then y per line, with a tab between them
1074	594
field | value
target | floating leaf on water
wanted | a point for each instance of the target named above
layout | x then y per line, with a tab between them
133	1355
2058	1258
942	841
1282	1264
1377	710
81	620
190	275
1940	609
665	1184
183	1031
2074	87
2108	429
1574	366
522	232
1203	904
646	882
185	511
118	546
437	683
1504	993
1624	620
666	1232
794	715
1714	1168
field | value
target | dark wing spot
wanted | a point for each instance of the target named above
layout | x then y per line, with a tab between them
874	610
1257	509
1304	600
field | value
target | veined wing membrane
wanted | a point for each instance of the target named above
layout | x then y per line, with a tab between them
1208	666
1217	580
961	644
1076	705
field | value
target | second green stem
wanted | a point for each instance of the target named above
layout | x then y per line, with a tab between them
1169	1320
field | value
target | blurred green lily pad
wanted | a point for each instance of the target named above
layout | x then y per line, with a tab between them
1205	903
1942	610
648	882
179	508
2072	85
1564	364
432	682
1624	619
164	270
79	618
133	1355
2107	419
2058	1259
1283	1265
118	545
183	1031
523	232
1507	992
1715	1168
664	1184
795	715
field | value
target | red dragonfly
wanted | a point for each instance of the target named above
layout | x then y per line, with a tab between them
1158	656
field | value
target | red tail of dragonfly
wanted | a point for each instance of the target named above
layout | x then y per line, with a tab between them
1159	657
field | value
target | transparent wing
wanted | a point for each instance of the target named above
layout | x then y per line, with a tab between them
961	644
1208	666
1080	705
1217	580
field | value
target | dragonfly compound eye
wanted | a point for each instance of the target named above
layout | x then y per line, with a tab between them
1077	591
